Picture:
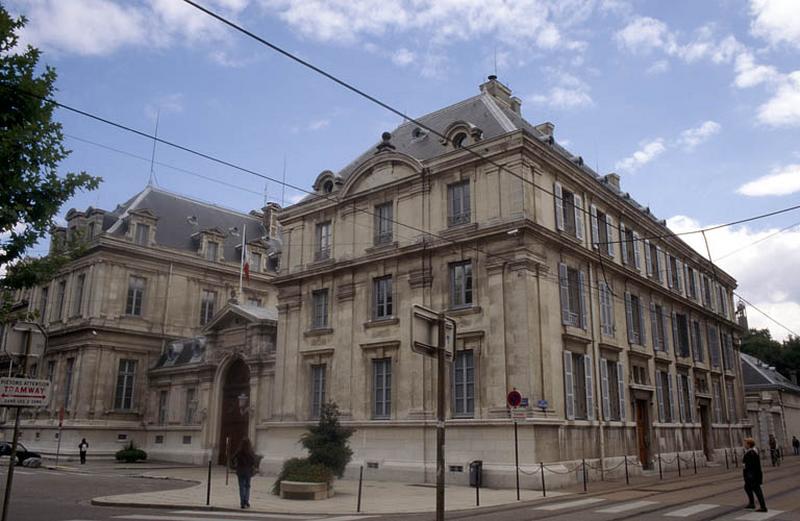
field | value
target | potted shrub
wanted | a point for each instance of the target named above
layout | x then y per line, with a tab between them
131	454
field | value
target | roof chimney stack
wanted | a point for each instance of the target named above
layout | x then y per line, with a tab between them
612	180
501	93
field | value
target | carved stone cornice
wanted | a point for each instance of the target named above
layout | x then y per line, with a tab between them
420	278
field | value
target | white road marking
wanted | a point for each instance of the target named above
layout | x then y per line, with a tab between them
571	504
633	505
759	516
215	516
344	518
692	510
245	514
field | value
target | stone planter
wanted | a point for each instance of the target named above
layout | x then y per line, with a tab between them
305	490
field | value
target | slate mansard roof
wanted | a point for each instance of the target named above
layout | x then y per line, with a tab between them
758	376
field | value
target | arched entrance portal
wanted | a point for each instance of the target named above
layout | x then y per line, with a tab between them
235	415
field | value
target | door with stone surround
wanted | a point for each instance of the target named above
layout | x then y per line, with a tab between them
235	415
643	432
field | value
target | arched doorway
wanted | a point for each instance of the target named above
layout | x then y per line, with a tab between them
235	418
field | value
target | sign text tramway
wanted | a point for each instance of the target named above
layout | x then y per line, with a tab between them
24	392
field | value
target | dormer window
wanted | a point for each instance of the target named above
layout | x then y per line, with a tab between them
327	187
142	236
212	251
459	140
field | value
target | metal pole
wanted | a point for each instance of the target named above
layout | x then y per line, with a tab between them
11	462
360	479
516	455
694	461
541	469
584	475
478	491
627	479
678	459
227	458
727	467
60	425
660	472
440	421
208	487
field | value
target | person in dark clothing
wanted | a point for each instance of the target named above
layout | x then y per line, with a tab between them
244	461
753	478
83	446
796	445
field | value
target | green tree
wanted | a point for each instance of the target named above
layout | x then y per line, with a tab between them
31	148
327	441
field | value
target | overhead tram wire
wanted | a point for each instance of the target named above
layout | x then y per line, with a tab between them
762	239
765	314
377	101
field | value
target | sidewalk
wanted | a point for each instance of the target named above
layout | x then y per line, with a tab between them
378	497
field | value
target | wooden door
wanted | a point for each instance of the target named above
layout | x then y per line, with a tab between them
643	432
235	420
705	431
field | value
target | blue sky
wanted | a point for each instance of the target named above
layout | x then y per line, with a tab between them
695	104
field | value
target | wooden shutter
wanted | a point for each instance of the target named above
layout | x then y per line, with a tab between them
595	226
675	345
623	245
637	256
609	235
668	259
672	417
621	387
564	280
681	403
660	396
584	316
569	395
629	316
659	264
679	277
654	326
578	216
648	259
587	367
559	206
690	412
642	334
604	389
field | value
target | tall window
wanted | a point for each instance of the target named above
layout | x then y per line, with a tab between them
573	291
680	334
634	311
212	251
319	302
606	310
613	389
722	298
461	284
68	382
43	303
207	302
732	416
691	282
664	394
652	260
464	384
61	296
90	228
323	241
569	211
162	407
77	295
727	351
686	398
191	406
383	223
126	376
382	297
317	389
578	386
658	326
382	388
706	287
33	372
698	348
602	231
717	401
142	234
51	370
713	346
255	262
674	273
458	203
135	296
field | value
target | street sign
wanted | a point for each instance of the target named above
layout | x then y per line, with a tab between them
518	415
542	404
514	398
524	402
425	332
24	392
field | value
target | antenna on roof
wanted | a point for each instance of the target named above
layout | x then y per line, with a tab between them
266	193
495	60
152	180
283	182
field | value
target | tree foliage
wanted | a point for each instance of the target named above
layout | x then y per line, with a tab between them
327	441
785	356
31	148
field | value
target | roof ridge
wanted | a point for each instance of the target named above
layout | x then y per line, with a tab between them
436	112
204	203
136	200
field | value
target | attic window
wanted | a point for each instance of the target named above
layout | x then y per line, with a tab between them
327	187
459	139
418	133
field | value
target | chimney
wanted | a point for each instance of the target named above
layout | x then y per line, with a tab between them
546	128
612	180
269	215
501	93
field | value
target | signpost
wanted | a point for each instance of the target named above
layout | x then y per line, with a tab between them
514	399
18	393
434	334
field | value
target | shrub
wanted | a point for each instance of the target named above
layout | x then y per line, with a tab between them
131	454
301	469
326	442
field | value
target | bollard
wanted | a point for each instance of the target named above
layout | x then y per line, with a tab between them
541	469
694	461
360	479
660	472
678	459
208	488
478	493
627	480
516	455
727	467
584	475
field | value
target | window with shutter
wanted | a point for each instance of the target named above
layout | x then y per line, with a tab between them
604	389
690	406
648	258
621	391
559	200
609	235
623	245
584	312
636	255
595	225
578	203
659	265
629	318
681	401
660	396
569	394
587	367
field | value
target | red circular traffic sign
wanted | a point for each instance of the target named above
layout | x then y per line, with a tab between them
514	398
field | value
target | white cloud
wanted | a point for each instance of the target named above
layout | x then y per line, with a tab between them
750	74
648	151
171	103
692	137
570	92
755	267
644	34
777	21
319	124
783	108
782	181
403	57
658	67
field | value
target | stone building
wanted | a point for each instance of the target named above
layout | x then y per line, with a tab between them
619	335
155	282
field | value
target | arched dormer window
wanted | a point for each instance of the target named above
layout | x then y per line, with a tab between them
326	183
460	134
327	186
459	140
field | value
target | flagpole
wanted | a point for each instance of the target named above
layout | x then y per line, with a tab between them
241	264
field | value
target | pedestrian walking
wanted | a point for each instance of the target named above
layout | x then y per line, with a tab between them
774	453
83	447
796	445
753	478
244	461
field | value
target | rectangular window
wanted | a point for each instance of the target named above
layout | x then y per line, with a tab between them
61	296
687	398
461	284
606	310
634	311
255	262
135	296
674	274
317	389
383	223
713	346
77	295
191	406
464	384
126	376
691	282
68	382
664	395
51	370
43	303
717	401
162	407
142	234
382	388
706	286
207	302
573	294
652	260
254	302
323	241
680	334
578	386
212	251
319	319
90	234
732	416
458	203
569	211
722	298
658	326
727	351
382	298
33	372
613	389
630	247
602	231
639	374
698	348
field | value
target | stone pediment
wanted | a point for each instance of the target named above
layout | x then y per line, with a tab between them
379	170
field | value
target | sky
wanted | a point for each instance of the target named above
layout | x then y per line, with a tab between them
695	104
